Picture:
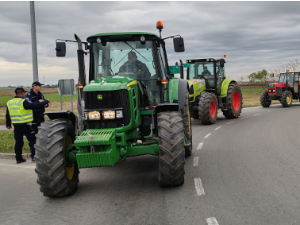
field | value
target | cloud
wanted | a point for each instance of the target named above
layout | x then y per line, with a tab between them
255	35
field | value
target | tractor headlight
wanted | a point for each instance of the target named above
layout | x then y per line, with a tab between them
94	115
119	114
108	115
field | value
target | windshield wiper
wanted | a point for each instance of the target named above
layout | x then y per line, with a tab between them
135	50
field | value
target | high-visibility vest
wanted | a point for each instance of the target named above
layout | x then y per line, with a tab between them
17	112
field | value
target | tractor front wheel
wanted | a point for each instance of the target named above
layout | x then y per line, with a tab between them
208	108
186	116
265	100
286	99
55	178
171	149
234	101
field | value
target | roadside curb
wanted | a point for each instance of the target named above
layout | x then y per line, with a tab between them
12	156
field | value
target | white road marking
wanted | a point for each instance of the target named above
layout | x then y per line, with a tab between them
218	128
230	122
207	135
27	167
212	221
196	160
256	115
199	187
200	146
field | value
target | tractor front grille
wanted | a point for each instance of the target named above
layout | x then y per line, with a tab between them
109	100
279	91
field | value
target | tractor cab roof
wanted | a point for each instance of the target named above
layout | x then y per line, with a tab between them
121	36
211	59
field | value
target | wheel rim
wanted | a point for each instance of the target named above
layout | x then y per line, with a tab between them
288	99
236	100
213	108
69	170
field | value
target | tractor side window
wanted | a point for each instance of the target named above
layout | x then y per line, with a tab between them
297	77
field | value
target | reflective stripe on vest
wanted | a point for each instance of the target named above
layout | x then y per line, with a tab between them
17	112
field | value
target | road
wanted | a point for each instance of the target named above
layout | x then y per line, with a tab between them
242	171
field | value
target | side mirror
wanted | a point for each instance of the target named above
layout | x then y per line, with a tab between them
222	63
178	44
60	49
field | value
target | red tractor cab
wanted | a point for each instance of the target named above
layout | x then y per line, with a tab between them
285	90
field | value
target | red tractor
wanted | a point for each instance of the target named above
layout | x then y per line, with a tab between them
285	90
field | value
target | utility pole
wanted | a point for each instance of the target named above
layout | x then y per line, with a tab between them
33	43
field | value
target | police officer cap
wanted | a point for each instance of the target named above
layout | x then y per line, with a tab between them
20	90
36	83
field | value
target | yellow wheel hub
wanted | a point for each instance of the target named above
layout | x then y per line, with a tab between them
289	99
70	171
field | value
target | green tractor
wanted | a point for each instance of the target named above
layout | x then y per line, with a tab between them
209	90
131	105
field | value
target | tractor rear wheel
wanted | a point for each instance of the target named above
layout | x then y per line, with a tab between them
265	100
186	116
234	101
54	177
286	99
208	108
171	149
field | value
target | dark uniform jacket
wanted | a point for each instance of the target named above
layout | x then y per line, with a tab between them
139	68
33	97
27	105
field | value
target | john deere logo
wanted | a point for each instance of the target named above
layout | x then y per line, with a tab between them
99	97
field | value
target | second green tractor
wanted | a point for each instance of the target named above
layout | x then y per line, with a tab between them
210	90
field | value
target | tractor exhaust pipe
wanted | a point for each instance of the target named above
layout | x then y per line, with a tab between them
181	69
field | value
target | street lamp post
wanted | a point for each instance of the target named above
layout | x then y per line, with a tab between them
33	43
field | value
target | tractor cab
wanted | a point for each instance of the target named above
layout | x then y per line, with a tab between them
210	69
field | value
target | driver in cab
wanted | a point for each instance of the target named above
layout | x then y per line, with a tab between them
205	72
133	65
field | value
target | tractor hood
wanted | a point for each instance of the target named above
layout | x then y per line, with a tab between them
274	85
109	83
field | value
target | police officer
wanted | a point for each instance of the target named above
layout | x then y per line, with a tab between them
19	113
34	95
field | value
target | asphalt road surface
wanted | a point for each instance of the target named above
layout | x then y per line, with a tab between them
242	171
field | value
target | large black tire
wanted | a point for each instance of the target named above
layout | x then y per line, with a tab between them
286	99
208	108
171	149
234	102
186	116
265	100
54	178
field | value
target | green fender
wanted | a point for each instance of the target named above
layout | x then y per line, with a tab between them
224	87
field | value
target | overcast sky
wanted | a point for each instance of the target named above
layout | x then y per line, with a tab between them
255	35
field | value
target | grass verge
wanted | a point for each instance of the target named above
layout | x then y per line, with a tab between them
7	142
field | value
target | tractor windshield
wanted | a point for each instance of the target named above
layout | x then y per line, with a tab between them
286	76
125	58
205	69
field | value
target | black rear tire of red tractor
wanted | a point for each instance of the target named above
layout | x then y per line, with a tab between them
54	177
286	99
208	108
265	100
171	149
234	102
186	116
